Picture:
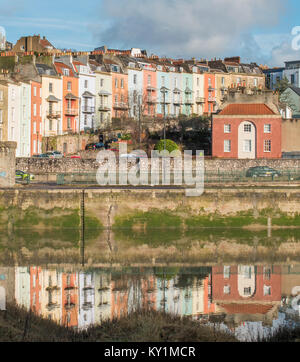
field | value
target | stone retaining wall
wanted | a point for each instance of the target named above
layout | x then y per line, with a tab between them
68	165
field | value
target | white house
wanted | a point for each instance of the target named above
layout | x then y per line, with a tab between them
13	124
87	90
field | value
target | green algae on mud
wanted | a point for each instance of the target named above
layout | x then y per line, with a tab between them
185	218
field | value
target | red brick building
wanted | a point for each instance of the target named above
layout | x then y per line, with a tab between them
246	131
239	283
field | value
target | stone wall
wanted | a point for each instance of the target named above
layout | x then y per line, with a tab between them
108	204
66	165
7	163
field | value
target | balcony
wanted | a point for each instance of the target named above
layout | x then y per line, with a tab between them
177	101
53	114
210	88
150	88
51	133
88	109
120	105
151	100
71	112
103	108
189	101
212	99
167	101
200	100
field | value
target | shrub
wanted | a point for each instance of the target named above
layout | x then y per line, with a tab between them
170	146
126	137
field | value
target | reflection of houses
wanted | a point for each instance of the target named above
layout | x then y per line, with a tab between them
102	296
165	301
290	283
202	297
119	296
22	287
69	299
36	284
148	288
7	286
247	292
51	295
86	299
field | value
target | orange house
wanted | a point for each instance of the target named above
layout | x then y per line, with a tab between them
35	289
70	102
148	289
119	298
150	91
36	118
209	93
120	94
69	300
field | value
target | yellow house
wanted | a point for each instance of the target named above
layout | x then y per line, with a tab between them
52	93
3	110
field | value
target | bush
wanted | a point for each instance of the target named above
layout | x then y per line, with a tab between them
170	146
126	137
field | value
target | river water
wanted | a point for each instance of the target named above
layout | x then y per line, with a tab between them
249	299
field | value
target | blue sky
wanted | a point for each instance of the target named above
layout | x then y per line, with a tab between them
258	30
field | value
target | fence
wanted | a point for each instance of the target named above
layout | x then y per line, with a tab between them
291	176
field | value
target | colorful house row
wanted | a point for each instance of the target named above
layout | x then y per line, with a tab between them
79	299
19	114
69	93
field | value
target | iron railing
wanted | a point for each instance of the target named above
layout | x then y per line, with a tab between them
218	176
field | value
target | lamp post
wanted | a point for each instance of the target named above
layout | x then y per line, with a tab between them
164	90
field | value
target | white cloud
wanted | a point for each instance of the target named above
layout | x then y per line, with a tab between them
185	27
282	53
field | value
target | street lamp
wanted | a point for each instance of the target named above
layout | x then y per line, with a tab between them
164	90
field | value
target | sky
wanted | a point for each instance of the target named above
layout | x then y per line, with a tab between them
258	30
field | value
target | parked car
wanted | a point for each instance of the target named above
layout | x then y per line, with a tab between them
54	154
42	155
262	171
75	156
22	176
93	146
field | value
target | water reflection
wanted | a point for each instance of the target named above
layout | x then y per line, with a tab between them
247	300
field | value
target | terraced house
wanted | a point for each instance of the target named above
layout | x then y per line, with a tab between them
3	110
135	86
13	112
70	100
51	100
231	73
119	78
103	94
86	93
36	118
163	89
23	147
